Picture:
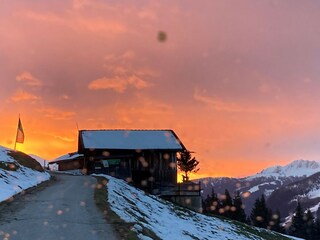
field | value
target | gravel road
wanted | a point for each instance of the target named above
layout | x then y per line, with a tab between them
65	209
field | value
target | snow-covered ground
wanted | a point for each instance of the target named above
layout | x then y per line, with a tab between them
15	181
314	193
169	221
42	161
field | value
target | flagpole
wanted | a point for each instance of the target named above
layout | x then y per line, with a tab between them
15	142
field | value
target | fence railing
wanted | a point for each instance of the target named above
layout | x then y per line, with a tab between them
180	189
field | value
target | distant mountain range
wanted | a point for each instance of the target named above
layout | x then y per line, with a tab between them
282	186
307	190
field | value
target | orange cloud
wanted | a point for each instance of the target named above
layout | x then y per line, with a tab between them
28	79
65	139
126	73
144	112
21	95
118	84
126	56
56	114
137	82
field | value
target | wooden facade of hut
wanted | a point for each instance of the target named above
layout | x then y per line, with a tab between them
70	161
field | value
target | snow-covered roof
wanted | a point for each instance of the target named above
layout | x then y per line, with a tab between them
131	139
66	157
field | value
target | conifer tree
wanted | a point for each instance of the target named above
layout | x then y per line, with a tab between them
275	222
255	213
267	213
297	226
206	204
238	213
215	204
248	221
187	164
226	204
260	214
211	203
309	225
316	229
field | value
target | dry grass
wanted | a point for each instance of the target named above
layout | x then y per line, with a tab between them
9	166
122	228
25	160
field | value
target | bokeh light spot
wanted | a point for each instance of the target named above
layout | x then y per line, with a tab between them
246	194
59	212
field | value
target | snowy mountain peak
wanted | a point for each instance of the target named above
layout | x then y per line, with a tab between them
306	164
271	170
296	168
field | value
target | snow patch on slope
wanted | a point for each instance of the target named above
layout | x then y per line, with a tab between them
314	193
4	157
315	208
13	182
167	220
257	187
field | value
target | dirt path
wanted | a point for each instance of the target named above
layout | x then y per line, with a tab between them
63	210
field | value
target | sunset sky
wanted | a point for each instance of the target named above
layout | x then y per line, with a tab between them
238	81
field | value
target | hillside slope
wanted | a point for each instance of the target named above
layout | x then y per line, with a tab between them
165	220
306	190
18	171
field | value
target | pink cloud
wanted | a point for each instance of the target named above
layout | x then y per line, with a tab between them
221	105
118	84
148	14
80	3
98	25
28	79
65	97
124	58
75	20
